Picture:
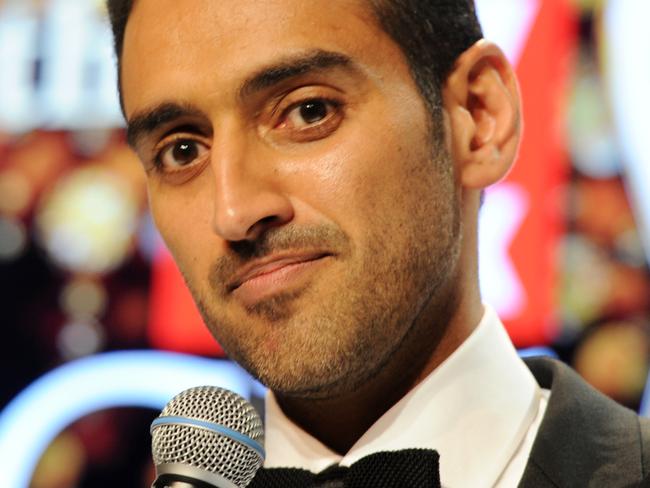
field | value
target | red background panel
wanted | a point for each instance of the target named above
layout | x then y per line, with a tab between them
175	323
542	168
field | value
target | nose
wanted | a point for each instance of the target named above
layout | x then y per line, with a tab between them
249	197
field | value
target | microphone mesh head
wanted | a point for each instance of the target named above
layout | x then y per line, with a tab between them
206	450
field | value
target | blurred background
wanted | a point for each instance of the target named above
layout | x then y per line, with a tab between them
98	330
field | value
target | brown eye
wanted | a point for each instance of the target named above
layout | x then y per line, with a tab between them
312	112
309	113
181	153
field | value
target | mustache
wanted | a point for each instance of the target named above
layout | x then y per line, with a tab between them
324	237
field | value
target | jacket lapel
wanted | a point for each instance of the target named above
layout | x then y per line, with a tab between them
585	438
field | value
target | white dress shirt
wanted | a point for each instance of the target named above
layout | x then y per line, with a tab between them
480	409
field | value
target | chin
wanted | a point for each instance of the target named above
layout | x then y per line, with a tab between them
314	379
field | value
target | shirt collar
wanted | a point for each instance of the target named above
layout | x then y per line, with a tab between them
474	409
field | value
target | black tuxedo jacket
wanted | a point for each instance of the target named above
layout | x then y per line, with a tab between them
585	439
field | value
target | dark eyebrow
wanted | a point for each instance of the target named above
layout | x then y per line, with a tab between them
293	66
149	120
146	122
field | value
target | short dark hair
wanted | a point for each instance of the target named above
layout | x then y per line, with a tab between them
431	33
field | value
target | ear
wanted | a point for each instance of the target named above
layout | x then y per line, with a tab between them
481	100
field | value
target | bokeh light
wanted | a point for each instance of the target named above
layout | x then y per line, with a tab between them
80	338
13	239
84	297
16	192
87	222
614	359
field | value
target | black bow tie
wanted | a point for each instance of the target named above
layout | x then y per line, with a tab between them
409	468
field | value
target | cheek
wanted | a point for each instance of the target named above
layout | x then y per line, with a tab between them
188	239
364	173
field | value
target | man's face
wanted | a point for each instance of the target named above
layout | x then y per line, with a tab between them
293	175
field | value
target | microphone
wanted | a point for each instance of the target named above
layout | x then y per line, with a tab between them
207	437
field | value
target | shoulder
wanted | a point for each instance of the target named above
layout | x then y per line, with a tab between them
585	436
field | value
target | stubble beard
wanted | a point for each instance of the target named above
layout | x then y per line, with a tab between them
327	342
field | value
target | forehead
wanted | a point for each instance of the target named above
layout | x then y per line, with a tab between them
208	46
